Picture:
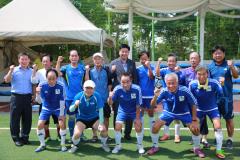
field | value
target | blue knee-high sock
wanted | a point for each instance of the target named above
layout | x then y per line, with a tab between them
71	124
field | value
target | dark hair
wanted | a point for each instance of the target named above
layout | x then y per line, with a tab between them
52	70
201	67
47	55
22	54
142	53
172	55
126	74
124	46
220	47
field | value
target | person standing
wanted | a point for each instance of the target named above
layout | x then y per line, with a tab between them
100	75
20	103
130	100
73	75
146	77
223	70
119	66
39	76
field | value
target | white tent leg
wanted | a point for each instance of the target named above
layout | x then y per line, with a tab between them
130	28
202	26
101	42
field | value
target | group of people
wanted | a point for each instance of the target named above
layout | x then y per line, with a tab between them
88	95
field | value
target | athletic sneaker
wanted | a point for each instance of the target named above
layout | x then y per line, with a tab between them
165	137
105	148
199	153
140	149
94	139
206	145
177	139
73	148
153	150
40	149
116	149
220	154
63	148
229	144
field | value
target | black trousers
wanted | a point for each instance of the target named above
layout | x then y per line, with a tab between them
20	111
128	123
203	126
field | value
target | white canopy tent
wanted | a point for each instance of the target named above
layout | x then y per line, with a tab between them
186	7
36	22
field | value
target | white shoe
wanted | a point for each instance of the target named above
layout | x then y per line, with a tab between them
63	148
73	149
105	148
140	149
116	149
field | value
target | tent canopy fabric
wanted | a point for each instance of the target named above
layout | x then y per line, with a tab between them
169	6
47	22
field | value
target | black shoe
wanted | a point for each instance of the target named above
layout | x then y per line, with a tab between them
25	141
18	143
229	144
127	137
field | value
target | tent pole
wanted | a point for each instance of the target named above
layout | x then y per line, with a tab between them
130	28
153	38
101	42
202	26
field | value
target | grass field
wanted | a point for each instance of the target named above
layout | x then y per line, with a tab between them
92	151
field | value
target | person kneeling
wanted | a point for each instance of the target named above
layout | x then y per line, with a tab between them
90	115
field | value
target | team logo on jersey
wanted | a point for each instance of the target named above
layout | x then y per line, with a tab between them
121	96
92	103
46	92
181	98
133	96
209	88
57	91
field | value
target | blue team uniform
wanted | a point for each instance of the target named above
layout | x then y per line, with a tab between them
223	70
146	84
207	98
74	78
51	97
88	109
128	102
176	105
165	71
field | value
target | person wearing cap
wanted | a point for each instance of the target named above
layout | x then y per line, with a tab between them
129	97
118	66
100	75
89	106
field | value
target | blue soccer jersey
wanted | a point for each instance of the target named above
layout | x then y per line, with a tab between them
128	100
52	95
165	71
88	107
178	102
206	97
102	80
222	70
74	78
146	84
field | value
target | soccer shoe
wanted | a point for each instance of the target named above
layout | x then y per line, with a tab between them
229	144
73	149
105	148
206	145
94	139
140	149
220	154
177	139
116	149
199	153
165	137
153	150
40	149
63	148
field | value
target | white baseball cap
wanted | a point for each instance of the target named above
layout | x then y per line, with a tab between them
97	54
89	83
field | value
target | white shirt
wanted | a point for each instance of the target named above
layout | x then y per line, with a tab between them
39	77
